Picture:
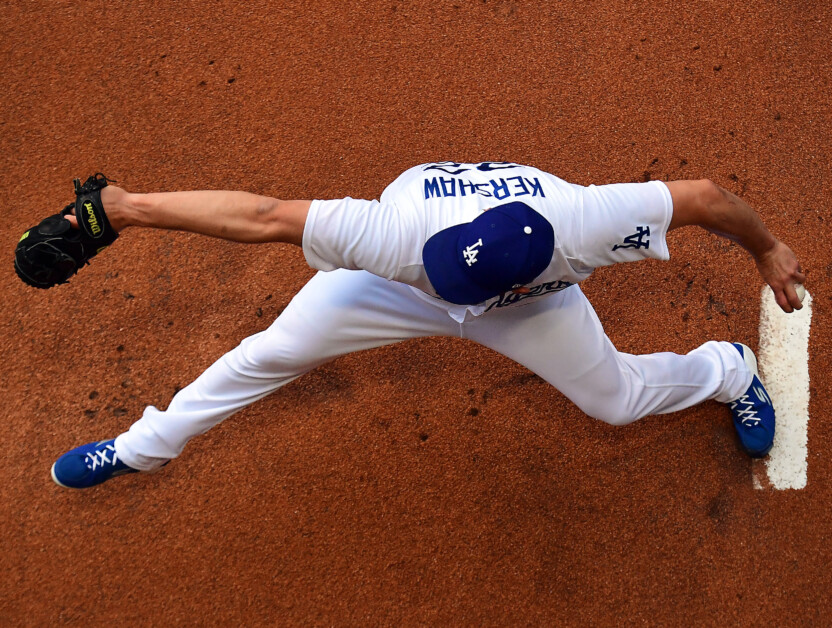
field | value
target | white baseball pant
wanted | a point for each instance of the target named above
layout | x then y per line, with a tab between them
558	336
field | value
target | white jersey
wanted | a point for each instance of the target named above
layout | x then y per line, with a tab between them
594	226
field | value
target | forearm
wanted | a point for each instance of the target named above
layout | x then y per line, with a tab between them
729	216
236	216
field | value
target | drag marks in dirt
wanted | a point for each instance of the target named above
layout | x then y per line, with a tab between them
783	359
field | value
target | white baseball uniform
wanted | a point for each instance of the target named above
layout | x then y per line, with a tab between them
373	290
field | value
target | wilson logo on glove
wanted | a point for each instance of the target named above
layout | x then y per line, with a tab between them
92	221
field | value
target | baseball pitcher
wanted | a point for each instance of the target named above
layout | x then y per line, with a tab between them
490	251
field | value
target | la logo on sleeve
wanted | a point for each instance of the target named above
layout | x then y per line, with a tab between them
638	240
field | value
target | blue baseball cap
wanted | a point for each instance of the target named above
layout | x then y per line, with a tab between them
505	247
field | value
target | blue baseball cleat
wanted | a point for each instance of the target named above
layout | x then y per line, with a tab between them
753	412
89	465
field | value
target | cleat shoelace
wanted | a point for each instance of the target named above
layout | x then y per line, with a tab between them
99	458
748	414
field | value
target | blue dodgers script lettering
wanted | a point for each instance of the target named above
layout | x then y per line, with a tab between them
500	188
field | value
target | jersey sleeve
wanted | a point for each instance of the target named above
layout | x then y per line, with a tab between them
621	222
356	235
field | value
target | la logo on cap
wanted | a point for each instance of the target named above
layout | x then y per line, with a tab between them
470	252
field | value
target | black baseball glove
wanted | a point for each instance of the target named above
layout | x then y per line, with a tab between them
53	251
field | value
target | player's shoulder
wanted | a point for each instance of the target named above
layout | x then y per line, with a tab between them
404	180
416	176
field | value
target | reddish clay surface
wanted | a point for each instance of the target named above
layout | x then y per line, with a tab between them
432	482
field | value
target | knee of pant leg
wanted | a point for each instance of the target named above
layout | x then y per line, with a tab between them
616	400
276	353
609	410
619	417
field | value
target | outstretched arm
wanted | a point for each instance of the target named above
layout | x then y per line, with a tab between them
707	205
237	216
